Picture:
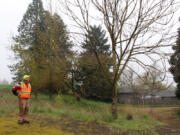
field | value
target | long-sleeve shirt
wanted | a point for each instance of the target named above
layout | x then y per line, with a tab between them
15	88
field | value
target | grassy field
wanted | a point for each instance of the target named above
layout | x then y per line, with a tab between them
63	106
5	86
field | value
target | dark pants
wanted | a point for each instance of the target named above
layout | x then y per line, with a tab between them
23	109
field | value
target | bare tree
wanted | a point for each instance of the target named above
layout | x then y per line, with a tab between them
127	79
138	29
154	78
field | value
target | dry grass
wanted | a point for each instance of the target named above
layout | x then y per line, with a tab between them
84	110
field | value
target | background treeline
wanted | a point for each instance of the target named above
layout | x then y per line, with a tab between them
43	49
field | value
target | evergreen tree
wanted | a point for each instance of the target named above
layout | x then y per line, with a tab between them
31	23
27	40
42	47
175	64
97	41
55	52
94	81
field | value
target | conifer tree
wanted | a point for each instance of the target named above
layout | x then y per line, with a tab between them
41	48
27	40
95	81
175	64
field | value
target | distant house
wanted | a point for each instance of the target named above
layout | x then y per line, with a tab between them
159	97
166	97
128	96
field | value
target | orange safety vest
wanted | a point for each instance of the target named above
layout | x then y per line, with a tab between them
25	90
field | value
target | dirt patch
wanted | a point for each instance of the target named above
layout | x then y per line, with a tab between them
166	115
169	118
60	126
77	127
168	130
89	128
9	126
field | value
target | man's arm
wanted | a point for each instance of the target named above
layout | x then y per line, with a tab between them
15	88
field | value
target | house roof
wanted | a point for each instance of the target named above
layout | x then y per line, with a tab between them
160	93
167	93
126	90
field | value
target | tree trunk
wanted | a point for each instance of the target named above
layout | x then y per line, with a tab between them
36	95
50	89
114	92
50	77
115	101
73	81
50	95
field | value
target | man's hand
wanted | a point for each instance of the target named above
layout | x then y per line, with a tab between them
16	87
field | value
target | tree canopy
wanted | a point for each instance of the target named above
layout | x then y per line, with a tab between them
175	63
93	80
42	48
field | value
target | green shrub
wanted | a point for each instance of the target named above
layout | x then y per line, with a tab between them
145	117
1	112
84	103
129	116
108	117
41	109
79	116
178	113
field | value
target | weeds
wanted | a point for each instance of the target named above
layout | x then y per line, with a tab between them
129	116
178	113
5	86
1	112
83	110
108	117
79	116
40	109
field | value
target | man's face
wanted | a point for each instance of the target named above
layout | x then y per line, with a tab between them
27	80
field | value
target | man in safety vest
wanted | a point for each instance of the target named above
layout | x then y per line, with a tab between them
23	91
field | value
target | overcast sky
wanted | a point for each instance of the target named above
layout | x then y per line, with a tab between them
11	12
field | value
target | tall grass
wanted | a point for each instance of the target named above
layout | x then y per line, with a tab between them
1	112
83	110
178	113
5	86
